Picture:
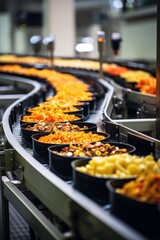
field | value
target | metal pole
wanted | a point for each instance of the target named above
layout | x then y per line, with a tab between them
51	49
50	45
158	74
100	40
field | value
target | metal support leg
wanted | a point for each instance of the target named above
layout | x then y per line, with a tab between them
39	223
4	207
4	214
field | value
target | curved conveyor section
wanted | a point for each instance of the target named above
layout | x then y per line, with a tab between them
83	217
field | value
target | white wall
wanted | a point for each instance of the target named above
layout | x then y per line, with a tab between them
139	39
5	30
60	20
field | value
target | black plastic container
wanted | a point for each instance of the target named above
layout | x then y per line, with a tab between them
40	150
124	83
86	109
92	103
61	165
27	134
144	217
94	187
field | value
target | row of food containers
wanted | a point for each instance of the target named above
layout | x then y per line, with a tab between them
107	172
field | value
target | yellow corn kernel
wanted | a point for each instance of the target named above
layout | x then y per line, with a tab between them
100	170
142	168
133	169
110	168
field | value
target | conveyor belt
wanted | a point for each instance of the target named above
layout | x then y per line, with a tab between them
72	207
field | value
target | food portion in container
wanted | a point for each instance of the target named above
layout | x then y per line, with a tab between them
28	129
62	155
69	93
144	81
119	166
92	149
90	175
137	201
57	126
145	188
53	107
73	137
65	104
135	75
114	69
51	117
41	141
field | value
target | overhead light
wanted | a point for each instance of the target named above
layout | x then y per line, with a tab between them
35	39
117	4
49	39
84	47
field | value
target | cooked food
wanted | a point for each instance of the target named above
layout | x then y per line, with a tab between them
135	75
145	188
147	85
54	108
90	150
114	69
50	117
119	166
53	127
71	137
